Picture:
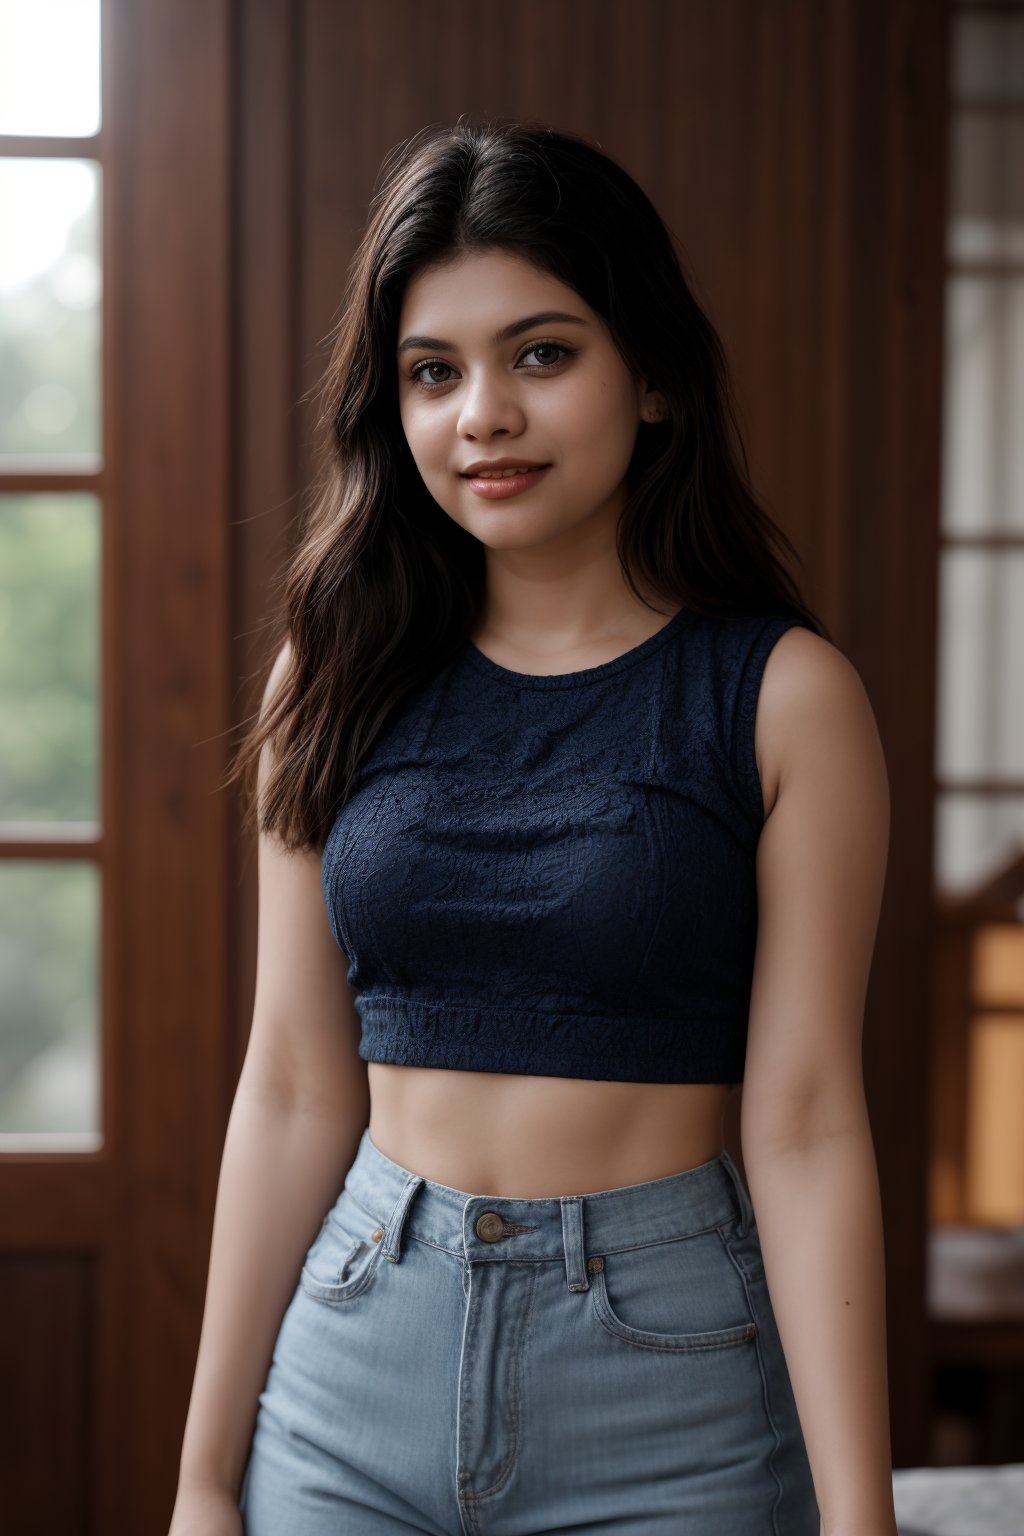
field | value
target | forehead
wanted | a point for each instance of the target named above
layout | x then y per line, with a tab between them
481	289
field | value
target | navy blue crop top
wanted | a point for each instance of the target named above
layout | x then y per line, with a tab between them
556	875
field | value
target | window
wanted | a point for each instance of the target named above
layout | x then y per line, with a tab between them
51	515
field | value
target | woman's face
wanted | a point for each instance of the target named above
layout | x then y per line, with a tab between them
556	393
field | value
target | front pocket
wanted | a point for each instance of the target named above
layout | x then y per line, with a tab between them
343	1257
684	1294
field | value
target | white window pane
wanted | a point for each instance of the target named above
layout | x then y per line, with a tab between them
50	66
49	656
986	190
983	407
980	724
987	57
50	306
49	944
976	838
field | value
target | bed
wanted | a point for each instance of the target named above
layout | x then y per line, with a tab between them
960	1501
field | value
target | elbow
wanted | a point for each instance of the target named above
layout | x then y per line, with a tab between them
803	1122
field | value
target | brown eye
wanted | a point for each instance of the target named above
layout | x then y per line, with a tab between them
543	346
422	367
419	373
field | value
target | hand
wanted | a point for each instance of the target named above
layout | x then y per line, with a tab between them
205	1512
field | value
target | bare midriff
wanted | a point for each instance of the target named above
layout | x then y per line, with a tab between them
528	1137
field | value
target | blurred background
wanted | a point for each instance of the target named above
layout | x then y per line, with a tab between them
181	187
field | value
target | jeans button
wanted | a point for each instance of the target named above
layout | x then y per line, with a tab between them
489	1226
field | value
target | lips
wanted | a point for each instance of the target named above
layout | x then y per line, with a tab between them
499	487
500	468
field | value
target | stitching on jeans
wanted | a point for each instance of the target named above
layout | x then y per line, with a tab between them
765	1394
659	1242
521	1345
699	1340
371	1214
750	1332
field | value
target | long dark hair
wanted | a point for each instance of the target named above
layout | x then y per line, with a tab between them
384	586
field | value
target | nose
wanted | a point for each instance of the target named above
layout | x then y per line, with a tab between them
489	407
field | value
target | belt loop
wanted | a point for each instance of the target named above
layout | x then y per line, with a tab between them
392	1239
572	1237
745	1205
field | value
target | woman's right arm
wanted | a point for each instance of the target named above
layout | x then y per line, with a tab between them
299	1111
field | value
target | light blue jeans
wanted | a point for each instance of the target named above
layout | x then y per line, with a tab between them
474	1365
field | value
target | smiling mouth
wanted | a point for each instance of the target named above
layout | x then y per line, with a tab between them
502	474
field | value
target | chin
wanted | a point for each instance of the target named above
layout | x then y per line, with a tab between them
513	529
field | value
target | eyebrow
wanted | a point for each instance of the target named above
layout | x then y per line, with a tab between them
546	317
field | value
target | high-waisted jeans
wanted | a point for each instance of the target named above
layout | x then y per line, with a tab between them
477	1365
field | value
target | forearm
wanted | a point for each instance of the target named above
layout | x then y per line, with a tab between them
819	1217
280	1171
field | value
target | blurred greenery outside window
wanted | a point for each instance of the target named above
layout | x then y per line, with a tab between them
51	290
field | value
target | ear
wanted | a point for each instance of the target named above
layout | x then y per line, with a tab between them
651	403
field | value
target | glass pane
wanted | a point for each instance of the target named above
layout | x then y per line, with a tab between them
982	441
50	306
977	837
50	66
49	656
986	190
49	943
987	57
980	725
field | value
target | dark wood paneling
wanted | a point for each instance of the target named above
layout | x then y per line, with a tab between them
49	1201
268	236
167	692
48	1441
889	525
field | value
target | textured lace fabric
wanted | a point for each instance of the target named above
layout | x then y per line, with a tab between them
556	875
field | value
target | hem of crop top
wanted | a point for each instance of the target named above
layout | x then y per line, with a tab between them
411	1032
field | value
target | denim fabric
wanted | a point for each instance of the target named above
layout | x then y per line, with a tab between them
475	1365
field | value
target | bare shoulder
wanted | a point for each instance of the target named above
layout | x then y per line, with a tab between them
811	695
821	863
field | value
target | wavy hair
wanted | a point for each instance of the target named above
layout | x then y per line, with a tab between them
383	586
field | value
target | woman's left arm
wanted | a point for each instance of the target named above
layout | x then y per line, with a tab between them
807	1148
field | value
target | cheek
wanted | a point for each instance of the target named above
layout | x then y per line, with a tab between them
601	435
599	416
428	439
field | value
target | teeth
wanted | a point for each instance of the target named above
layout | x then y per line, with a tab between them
500	474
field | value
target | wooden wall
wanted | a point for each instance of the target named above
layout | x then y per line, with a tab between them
796	149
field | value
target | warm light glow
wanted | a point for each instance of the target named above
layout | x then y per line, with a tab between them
995	1121
997	979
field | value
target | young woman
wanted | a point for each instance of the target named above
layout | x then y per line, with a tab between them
571	821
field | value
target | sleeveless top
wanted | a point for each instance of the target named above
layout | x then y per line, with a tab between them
556	875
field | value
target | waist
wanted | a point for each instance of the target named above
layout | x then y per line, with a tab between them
538	1136
677	1205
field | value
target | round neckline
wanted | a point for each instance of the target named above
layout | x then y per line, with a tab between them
584	675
